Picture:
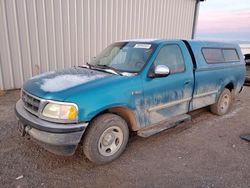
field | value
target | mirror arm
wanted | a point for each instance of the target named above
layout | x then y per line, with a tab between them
151	73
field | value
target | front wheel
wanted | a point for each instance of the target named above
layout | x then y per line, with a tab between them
106	138
222	106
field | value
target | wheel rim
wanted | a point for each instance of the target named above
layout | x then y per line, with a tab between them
110	141
225	101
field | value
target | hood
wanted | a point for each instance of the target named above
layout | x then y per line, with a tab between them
56	84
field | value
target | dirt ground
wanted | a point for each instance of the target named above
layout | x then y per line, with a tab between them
206	152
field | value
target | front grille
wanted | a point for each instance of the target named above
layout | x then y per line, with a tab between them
30	103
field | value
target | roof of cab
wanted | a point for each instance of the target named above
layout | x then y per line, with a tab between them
193	43
149	40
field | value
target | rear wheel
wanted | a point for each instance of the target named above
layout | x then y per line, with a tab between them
222	106
106	138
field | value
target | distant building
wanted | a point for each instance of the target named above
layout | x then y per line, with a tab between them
40	36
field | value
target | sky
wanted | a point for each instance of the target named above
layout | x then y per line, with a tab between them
224	20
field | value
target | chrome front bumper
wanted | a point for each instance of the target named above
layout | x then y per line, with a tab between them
58	138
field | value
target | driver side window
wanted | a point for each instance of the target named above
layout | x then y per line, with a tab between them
171	56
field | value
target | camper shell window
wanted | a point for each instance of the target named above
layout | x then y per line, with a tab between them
220	55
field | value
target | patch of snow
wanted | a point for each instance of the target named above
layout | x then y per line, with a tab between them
19	177
62	82
42	75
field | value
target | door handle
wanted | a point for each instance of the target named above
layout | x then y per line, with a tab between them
187	82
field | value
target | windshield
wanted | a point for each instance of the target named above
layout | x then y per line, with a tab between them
125	56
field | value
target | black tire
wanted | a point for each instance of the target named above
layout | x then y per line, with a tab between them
222	106
106	138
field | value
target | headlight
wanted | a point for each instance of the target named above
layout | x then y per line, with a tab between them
60	111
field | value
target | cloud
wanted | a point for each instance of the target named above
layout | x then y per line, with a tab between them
224	22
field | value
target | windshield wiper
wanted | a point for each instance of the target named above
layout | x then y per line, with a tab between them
104	68
111	68
88	66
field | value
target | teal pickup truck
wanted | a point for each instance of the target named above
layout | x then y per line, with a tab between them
144	86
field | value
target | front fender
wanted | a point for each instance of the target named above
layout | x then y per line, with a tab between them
119	93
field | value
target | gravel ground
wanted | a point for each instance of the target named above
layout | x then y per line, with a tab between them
206	152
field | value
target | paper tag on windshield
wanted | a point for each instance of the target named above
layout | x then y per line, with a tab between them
146	46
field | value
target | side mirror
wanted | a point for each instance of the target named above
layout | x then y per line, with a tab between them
159	71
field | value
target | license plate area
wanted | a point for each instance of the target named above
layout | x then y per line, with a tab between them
21	129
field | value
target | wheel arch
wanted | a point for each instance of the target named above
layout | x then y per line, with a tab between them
123	112
230	86
226	85
127	115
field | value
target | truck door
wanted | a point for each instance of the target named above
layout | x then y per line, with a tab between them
167	97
